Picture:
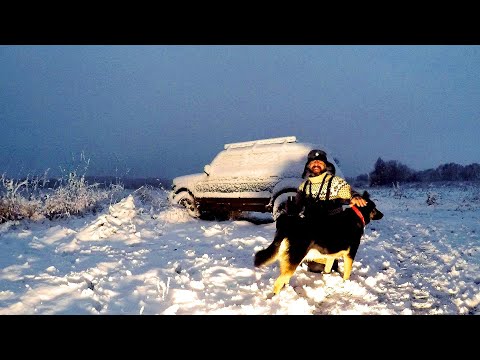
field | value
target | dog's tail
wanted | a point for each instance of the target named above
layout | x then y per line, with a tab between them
268	255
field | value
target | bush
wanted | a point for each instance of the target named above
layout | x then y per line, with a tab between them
28	199
432	198
13	205
155	198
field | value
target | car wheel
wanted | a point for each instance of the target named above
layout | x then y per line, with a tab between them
280	204
188	201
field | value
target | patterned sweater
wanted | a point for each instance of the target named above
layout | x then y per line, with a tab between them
313	191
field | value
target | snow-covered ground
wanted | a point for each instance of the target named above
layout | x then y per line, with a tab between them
143	256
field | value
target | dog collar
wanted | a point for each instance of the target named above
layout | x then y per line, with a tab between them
354	208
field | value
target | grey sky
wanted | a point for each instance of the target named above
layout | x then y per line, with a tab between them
164	111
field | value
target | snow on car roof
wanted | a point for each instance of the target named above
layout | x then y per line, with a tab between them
280	156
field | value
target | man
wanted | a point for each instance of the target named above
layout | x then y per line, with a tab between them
322	194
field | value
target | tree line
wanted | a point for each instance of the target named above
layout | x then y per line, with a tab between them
393	171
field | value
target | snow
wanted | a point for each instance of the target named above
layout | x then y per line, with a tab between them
140	259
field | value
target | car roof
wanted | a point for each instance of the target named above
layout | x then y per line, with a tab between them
284	155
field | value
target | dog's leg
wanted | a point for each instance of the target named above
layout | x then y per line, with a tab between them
286	272
329	264
281	281
287	269
289	256
347	266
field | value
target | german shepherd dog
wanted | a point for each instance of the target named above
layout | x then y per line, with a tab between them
296	241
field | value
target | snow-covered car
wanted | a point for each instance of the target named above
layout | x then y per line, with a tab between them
256	175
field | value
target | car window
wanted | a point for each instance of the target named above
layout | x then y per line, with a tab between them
227	164
246	163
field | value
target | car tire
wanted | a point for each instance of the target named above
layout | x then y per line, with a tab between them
187	200
280	204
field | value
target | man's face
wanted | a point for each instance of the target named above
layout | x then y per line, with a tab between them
317	167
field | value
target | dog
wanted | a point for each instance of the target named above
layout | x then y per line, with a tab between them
295	241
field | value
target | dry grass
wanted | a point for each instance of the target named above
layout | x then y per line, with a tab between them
30	199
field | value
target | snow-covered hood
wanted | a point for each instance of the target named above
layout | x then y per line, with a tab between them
188	181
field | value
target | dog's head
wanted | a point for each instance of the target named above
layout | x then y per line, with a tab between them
370	211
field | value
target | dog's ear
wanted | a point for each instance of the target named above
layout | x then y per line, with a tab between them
366	195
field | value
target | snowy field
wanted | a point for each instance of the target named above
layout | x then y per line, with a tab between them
143	256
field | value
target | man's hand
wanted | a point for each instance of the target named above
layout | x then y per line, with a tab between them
358	201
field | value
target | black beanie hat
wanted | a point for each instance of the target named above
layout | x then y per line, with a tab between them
317	155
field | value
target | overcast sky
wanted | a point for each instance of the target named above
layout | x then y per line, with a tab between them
164	111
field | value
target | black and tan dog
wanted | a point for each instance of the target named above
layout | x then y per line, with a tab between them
296	241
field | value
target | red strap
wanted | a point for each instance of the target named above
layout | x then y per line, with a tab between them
354	208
